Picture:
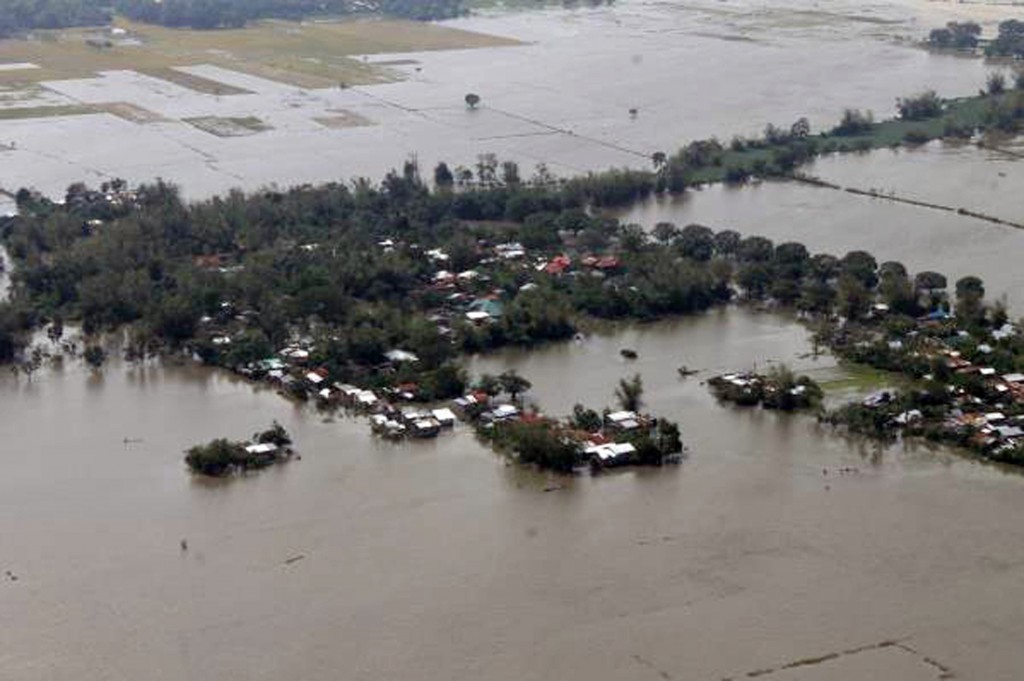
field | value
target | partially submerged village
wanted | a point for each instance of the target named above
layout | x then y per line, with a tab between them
396	405
539	279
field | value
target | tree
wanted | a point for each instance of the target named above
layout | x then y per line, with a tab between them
490	384
956	35
514	384
215	458
275	435
472	100
95	356
586	419
727	242
919	107
755	278
996	83
756	249
801	128
659	159
854	122
697	242
930	281
443	176
852	297
665	232
629	393
862	266
970	292
510	173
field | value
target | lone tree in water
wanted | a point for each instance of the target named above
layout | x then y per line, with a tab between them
630	393
472	100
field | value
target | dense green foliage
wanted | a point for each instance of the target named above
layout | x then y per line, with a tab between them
960	36
1010	40
221	457
273	266
207	14
19	15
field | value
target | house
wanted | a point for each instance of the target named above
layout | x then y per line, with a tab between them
397	356
444	416
610	454
504	412
483	310
510	251
623	420
261	449
424	428
557	265
366	399
315	378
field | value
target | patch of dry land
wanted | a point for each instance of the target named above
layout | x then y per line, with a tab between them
229	126
307	54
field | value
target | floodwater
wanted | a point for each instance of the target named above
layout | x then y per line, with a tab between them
367	560
826	220
692	69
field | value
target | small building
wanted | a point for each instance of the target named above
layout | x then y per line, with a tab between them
444	416
624	420
611	454
262	449
425	428
398	356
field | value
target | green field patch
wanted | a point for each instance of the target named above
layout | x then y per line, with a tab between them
229	127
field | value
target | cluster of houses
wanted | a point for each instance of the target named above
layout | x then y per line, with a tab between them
750	389
989	417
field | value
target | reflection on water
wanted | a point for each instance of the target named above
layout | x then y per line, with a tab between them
437	560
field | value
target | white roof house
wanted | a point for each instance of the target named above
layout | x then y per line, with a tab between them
610	451
401	356
444	416
262	448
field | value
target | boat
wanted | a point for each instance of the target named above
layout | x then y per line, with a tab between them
628	354
685	371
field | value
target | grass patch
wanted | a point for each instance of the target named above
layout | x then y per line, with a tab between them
307	54
22	113
193	82
343	119
860	379
129	112
229	127
961	113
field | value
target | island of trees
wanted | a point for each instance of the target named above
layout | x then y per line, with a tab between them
222	457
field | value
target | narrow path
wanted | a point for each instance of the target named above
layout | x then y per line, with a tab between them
875	194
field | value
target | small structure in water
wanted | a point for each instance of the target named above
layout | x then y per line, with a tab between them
628	353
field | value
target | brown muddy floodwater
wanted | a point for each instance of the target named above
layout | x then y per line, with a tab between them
437	561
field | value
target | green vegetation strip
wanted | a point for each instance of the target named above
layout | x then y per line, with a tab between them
45	112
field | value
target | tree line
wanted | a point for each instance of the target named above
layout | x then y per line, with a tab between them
21	15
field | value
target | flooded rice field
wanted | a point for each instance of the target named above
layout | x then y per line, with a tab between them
958	176
691	69
434	560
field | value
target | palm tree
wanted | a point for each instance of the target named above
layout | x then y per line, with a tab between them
630	393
